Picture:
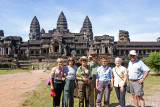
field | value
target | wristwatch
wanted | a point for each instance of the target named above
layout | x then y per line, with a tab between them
143	78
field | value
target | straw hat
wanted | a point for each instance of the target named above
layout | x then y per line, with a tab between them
133	52
83	58
94	53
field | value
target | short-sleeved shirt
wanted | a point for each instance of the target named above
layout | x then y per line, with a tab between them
121	71
70	72
56	74
83	72
93	69
104	73
136	69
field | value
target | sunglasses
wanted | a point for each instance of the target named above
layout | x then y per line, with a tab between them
132	55
84	60
70	60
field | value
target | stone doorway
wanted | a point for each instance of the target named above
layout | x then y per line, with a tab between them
56	47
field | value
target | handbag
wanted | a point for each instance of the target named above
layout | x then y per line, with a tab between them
127	87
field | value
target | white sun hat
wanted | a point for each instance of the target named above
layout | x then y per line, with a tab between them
133	52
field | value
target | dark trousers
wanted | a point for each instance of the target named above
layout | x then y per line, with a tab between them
68	93
58	87
121	95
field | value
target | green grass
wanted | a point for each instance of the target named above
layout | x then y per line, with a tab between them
41	98
13	71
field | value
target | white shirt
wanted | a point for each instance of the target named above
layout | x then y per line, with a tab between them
121	71
136	69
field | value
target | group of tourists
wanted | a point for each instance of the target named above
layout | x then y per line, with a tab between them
94	77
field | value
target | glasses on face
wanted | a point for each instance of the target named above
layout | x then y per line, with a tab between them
132	55
84	60
94	56
70	60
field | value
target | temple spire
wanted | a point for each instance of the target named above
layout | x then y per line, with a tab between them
62	23
34	29
42	31
87	28
123	36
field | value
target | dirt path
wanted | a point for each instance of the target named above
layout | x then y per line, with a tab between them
14	86
152	98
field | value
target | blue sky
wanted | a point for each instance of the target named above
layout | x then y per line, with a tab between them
140	17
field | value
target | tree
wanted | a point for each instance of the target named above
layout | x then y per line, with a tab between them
153	61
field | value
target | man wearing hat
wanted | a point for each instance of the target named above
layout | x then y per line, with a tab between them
137	72
93	64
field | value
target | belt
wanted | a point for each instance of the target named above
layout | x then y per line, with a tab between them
70	79
133	80
58	81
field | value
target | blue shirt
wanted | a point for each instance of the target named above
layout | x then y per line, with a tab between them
136	69
104	73
70	72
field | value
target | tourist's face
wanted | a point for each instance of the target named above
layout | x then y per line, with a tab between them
60	64
70	61
133	57
104	62
118	62
94	57
84	62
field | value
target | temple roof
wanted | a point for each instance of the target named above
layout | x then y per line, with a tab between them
13	38
138	43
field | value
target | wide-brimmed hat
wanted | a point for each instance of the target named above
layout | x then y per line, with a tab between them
83	58
133	52
94	53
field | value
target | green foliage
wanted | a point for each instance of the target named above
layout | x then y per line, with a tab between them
153	61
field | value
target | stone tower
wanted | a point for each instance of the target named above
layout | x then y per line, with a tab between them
123	36
34	29
62	24
42	31
1	33
87	28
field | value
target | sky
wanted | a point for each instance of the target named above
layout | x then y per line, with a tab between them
141	18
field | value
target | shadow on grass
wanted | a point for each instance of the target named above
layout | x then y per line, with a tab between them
155	74
134	106
116	104
113	104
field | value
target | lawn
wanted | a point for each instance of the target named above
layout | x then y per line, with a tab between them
40	97
13	71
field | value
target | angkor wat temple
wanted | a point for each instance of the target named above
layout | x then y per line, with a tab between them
61	42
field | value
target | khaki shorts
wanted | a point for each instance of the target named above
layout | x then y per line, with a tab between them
136	88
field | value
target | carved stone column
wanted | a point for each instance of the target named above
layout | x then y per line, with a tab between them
103	49
60	48
119	52
9	50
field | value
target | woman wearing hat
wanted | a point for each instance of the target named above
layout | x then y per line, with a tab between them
70	72
83	77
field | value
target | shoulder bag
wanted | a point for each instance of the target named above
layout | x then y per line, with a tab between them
127	87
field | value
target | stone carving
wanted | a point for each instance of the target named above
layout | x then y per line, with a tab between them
87	28
62	24
123	36
34	29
